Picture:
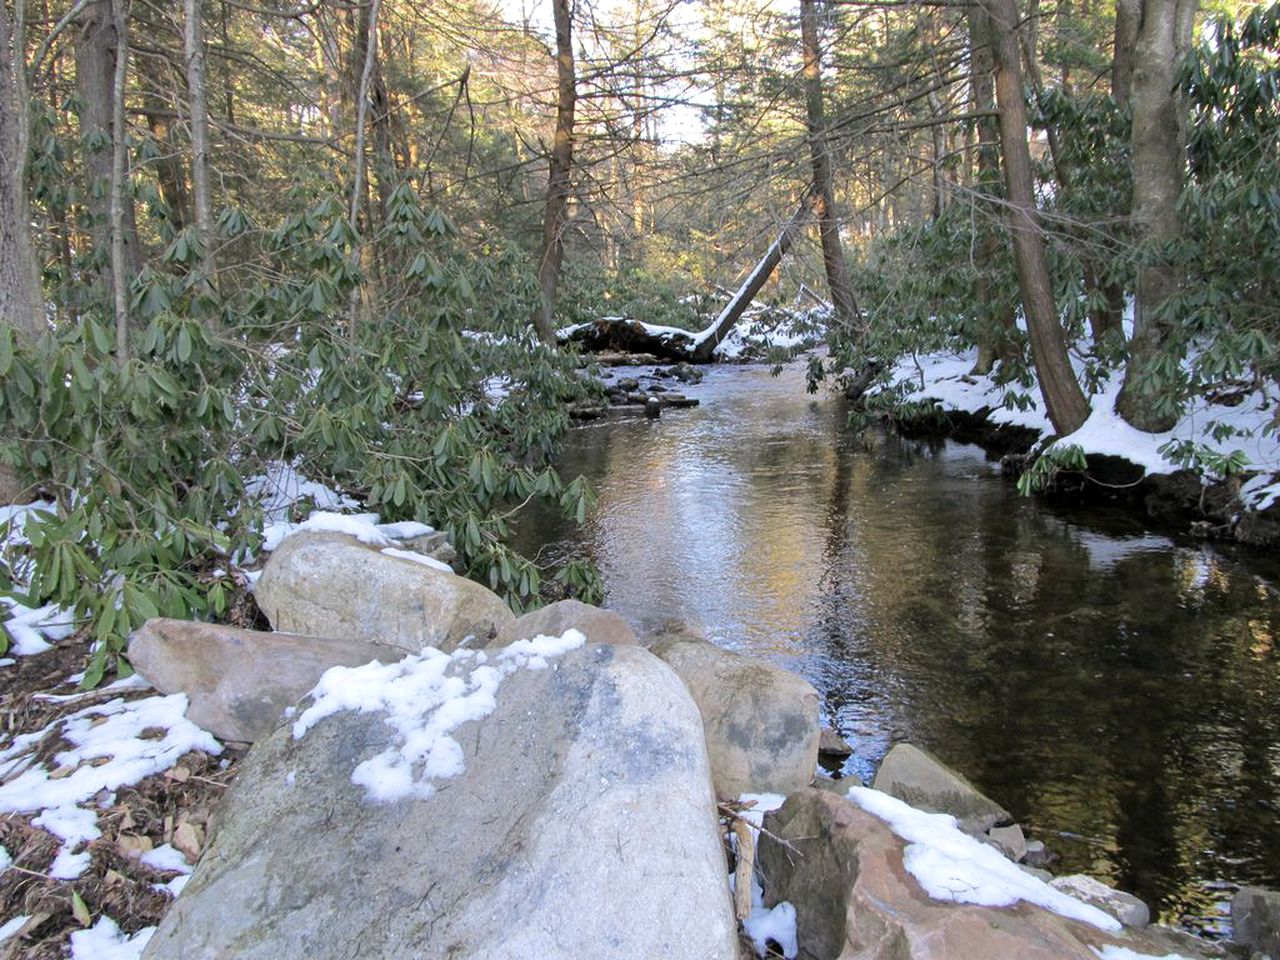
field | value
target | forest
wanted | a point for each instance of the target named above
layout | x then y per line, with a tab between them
343	235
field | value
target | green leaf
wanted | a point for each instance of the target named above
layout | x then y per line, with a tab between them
80	910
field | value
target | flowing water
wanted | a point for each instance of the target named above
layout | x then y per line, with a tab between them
1117	691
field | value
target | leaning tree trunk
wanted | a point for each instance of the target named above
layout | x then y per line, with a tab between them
560	164
1064	400
1157	150
706	342
842	299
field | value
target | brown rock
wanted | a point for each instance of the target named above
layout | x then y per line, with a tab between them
920	779
761	722
831	744
596	624
330	584
240	681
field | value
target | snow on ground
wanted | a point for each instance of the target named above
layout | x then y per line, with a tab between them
418	558
112	744
1124	953
282	486
12	926
946	379
424	697
951	865
777	923
104	941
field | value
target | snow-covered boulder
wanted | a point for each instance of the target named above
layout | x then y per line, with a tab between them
917	777
239	682
331	584
549	800
596	624
761	721
861	891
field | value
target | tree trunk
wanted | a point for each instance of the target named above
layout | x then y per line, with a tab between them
1064	400
842	299
1157	149
559	166
996	321
198	98
121	269
706	341
97	52
358	185
1128	17
21	298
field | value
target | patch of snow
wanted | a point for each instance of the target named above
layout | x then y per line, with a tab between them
424	697
104	941
110	732
6	861
1124	953
1261	492
135	681
777	924
421	558
282	486
7	661
36	630
174	886
166	857
951	865
12	926
405	530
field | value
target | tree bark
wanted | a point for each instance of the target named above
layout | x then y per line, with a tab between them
358	185
98	48
1157	150
560	165
1128	17
198	98
996	321
842	298
1064	400
121	270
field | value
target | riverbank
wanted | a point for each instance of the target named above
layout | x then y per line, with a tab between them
1216	474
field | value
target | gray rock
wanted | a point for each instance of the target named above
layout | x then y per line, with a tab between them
687	373
1125	907
761	722
435	545
331	584
1036	872
239	682
917	777
582	826
1255	919
1038	855
1010	841
596	624
831	744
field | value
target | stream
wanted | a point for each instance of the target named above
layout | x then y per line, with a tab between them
1115	689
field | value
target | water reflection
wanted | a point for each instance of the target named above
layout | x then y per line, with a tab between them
1113	689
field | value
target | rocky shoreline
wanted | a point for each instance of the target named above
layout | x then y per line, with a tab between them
1179	502
555	786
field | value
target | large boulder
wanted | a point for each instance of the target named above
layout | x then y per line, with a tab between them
843	870
596	624
761	721
239	682
1255	919
920	779
331	584
557	808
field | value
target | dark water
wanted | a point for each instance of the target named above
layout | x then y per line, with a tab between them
1118	692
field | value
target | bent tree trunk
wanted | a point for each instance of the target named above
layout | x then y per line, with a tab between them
706	342
1158	164
1063	398
559	165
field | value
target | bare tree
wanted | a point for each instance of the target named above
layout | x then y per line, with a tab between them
198	98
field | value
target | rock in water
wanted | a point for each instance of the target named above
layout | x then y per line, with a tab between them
330	584
1125	907
917	777
1255	917
596	624
580	824
761	721
239	682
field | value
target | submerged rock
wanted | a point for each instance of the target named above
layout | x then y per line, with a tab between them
330	584
831	744
578	822
239	682
917	777
761	722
